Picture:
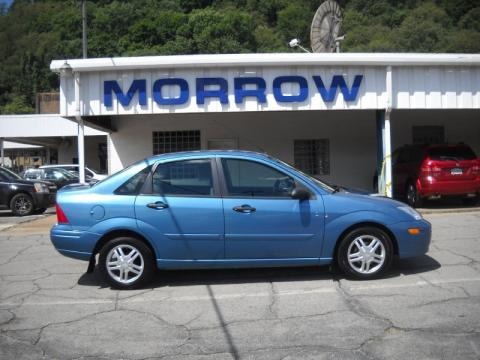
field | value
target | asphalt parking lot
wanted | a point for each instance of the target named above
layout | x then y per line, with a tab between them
426	308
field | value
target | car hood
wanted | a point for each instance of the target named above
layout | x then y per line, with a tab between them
342	203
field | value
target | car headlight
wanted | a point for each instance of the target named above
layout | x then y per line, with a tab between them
41	188
410	211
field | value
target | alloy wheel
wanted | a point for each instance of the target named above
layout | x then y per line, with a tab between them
125	264
366	254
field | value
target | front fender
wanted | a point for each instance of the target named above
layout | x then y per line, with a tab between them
335	226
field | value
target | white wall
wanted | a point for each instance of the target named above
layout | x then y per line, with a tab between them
352	137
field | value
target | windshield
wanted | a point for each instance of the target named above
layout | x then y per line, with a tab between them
315	180
144	161
65	173
10	175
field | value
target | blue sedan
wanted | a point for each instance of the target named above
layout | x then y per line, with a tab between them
229	209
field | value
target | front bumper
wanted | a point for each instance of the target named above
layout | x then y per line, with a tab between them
412	245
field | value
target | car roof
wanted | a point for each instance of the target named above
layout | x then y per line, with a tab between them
57	166
209	153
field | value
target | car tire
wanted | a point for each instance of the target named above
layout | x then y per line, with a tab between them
413	198
126	263
470	201
21	204
365	253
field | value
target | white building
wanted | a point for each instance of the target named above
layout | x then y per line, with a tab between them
337	116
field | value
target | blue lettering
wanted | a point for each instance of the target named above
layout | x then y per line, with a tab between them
221	93
112	86
277	89
338	81
157	91
241	93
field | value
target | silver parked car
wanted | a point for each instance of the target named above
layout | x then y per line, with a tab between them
89	173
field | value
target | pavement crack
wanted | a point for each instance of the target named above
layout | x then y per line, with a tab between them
272	311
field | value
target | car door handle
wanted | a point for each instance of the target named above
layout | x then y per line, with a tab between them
244	209
158	205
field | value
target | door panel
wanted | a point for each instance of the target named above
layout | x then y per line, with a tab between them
189	228
183	215
262	221
277	229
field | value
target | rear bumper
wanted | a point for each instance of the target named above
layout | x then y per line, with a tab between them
73	243
412	245
43	200
435	187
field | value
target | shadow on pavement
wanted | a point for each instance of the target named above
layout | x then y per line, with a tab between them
163	278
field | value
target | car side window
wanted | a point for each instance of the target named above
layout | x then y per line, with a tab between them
133	185
184	178
252	179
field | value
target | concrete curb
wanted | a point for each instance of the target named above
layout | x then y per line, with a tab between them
448	211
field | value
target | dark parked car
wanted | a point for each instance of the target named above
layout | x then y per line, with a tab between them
433	171
58	176
24	197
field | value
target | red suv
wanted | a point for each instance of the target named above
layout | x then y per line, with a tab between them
432	171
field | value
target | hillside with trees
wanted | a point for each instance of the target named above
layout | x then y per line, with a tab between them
32	33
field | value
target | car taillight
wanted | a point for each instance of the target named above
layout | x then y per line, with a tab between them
61	217
431	170
475	170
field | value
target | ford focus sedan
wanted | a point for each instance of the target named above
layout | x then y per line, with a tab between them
229	209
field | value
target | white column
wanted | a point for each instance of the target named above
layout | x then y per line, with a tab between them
81	131
388	155
387	137
2	153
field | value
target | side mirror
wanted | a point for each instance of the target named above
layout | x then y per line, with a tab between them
300	194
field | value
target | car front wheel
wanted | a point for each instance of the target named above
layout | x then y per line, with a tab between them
126	263
365	253
21	205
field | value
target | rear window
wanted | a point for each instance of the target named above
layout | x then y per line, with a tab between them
451	153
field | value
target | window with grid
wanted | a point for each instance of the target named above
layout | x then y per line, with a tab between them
172	141
312	156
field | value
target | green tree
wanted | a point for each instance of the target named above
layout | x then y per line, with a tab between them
17	105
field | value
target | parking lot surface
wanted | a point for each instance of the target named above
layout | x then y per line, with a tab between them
426	308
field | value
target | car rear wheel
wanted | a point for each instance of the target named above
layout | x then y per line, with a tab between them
126	263
21	204
470	201
413	198
365	253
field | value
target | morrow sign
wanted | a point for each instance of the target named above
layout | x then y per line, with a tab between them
218	88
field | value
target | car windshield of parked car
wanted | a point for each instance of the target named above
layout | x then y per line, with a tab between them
58	173
451	153
9	175
320	183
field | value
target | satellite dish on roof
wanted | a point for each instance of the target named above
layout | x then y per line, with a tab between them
325	29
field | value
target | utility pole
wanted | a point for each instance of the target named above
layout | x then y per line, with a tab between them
81	126
84	28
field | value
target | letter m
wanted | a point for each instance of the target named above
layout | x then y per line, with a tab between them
124	99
